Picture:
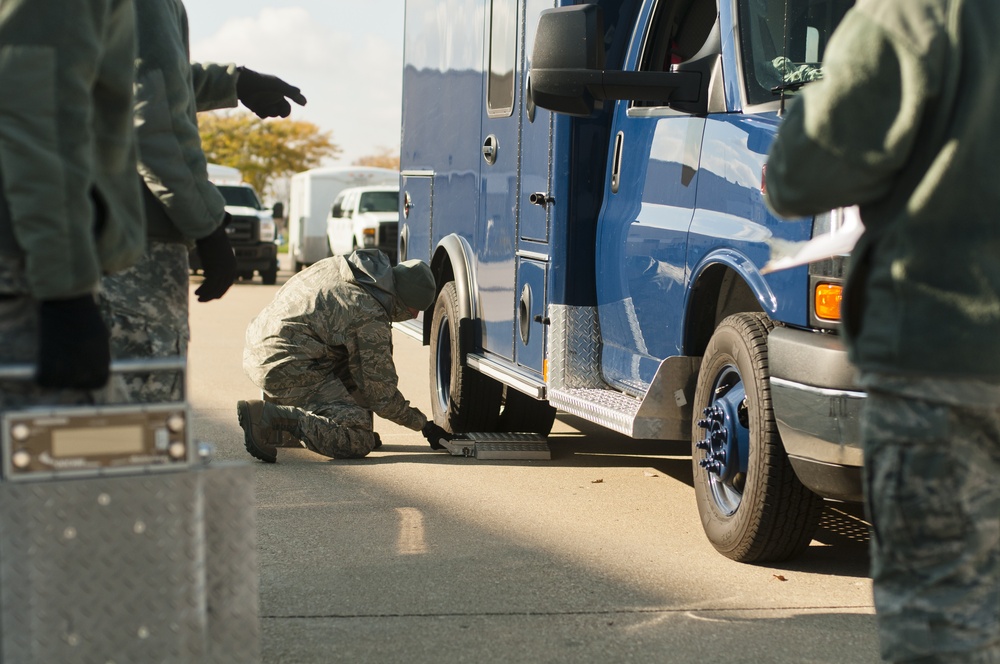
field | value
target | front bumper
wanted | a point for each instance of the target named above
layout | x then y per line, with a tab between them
817	406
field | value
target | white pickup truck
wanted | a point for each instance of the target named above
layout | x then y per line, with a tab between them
364	218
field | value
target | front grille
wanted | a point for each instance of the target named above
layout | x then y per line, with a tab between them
242	229
388	233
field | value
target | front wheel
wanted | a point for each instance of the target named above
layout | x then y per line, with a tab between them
753	507
462	399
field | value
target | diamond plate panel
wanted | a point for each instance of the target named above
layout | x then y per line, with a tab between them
142	568
574	348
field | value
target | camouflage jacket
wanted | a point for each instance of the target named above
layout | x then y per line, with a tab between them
181	204
339	310
70	207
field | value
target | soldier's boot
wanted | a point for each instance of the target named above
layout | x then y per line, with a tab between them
260	422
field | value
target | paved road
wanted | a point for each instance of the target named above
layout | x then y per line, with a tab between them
416	556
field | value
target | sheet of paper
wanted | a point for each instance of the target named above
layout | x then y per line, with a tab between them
840	240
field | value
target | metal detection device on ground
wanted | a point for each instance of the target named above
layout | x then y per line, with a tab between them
486	445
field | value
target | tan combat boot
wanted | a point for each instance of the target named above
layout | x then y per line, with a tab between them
261	422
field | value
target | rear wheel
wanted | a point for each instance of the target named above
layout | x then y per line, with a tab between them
752	505
462	399
524	414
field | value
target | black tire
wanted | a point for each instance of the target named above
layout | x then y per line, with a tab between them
269	277
524	414
462	399
753	507
246	276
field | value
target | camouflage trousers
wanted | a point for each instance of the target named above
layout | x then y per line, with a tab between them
332	420
932	485
146	308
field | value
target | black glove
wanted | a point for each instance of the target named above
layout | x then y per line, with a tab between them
73	347
433	433
265	94
217	262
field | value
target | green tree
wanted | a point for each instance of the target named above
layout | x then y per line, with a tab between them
383	158
263	150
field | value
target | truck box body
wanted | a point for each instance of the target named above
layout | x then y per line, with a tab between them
311	194
605	259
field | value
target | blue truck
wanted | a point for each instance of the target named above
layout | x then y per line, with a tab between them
586	181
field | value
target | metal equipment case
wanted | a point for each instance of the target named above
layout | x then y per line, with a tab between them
106	562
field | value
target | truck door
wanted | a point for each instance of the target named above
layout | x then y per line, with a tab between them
654	170
499	179
535	205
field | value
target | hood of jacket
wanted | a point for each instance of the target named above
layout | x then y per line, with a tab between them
370	269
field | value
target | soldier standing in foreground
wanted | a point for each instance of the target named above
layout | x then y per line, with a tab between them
147	305
903	124
322	354
70	208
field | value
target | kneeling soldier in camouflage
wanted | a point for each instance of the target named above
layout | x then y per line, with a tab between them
322	354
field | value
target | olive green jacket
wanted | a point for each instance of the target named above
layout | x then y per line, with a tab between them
904	124
70	207
181	204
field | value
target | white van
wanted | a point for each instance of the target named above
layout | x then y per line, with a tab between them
311	195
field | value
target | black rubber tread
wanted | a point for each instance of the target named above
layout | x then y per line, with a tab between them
474	399
778	515
269	277
524	414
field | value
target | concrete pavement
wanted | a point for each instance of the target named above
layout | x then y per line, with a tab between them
412	555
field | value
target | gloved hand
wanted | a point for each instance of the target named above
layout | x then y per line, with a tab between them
433	433
73	347
265	94
217	262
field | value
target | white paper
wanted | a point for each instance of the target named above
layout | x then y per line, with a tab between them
839	241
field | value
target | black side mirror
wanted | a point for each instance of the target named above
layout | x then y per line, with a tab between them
278	211
567	67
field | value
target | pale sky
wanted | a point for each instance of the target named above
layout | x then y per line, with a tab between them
345	55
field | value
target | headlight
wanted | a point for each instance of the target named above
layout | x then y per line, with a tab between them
267	229
368	237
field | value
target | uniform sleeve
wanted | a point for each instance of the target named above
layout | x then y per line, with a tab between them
846	138
171	160
51	56
214	86
375	375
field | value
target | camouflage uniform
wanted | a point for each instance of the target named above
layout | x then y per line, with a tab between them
146	308
67	166
324	346
902	124
932	463
148	305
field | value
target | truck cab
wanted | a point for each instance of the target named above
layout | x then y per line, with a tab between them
251	228
587	183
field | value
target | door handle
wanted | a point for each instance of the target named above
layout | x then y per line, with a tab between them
490	147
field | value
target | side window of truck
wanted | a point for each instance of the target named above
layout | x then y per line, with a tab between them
503	58
678	32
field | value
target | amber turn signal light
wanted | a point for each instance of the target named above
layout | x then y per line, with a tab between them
827	301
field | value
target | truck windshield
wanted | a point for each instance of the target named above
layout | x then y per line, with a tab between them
379	201
783	42
239	196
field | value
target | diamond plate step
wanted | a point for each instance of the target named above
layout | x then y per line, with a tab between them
499	445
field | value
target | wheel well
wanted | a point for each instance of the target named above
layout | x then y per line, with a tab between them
443	272
718	292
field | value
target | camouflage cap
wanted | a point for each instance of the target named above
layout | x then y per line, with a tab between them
414	283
